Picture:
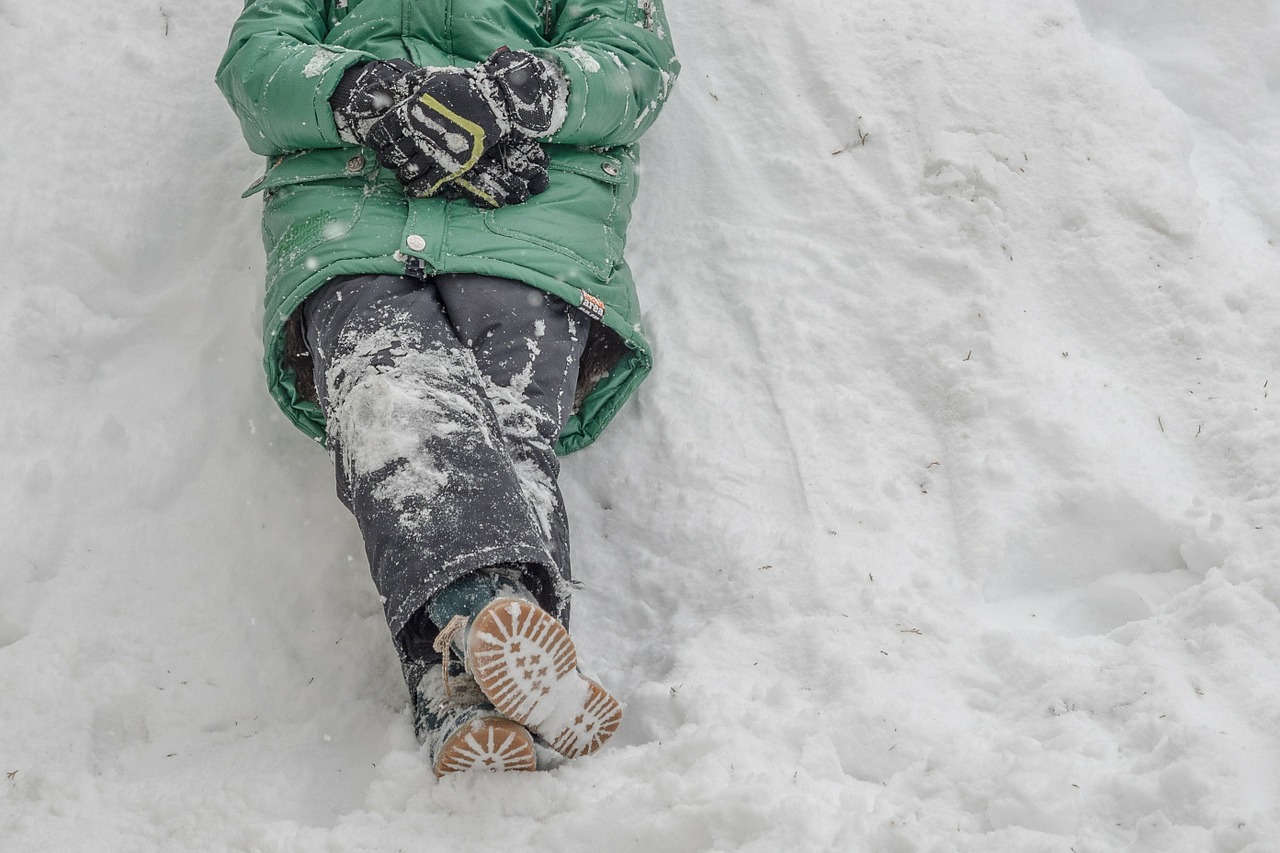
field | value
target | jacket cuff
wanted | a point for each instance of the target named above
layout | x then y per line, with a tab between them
575	66
300	91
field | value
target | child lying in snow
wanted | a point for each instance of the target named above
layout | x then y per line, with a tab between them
448	307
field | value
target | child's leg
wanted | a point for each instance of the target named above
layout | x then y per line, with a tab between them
443	414
419	453
527	346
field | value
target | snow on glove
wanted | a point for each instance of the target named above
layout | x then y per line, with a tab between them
366	92
440	131
533	91
510	173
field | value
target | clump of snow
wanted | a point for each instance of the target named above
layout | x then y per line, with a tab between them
391	402
582	57
947	522
320	62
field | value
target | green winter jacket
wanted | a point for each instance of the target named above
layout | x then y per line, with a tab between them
331	210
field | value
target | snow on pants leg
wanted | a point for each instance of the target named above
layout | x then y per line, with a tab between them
444	400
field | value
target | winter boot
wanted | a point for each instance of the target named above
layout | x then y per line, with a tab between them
462	731
524	662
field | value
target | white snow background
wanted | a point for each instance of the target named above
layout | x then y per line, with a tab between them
948	521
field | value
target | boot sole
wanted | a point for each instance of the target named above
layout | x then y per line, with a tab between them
489	743
526	664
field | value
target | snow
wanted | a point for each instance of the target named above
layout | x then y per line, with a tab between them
579	55
386	413
948	521
320	62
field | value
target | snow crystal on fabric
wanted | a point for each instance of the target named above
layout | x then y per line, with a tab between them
520	424
320	62
391	401
584	59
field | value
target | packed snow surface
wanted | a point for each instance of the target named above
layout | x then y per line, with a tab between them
948	521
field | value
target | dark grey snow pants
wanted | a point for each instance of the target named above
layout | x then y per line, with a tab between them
444	399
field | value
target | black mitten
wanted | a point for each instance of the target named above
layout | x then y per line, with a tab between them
510	173
365	93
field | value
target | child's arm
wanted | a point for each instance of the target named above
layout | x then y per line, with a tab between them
621	66
278	76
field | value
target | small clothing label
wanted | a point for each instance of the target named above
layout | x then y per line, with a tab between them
592	306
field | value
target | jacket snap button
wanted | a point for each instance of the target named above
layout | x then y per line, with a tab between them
416	243
356	163
609	169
